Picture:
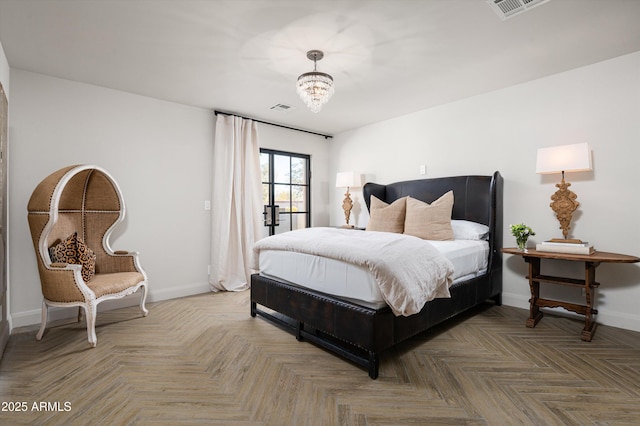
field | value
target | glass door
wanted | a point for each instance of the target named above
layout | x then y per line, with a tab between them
286	181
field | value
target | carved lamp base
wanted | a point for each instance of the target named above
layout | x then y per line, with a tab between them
564	204
347	205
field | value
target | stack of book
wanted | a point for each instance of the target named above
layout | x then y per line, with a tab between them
560	246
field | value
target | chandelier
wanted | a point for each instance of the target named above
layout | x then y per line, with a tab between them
315	88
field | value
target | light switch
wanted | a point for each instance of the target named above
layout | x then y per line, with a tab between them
207	205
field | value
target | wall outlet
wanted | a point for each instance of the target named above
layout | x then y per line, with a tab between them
423	169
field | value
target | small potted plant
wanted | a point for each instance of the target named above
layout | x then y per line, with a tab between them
522	233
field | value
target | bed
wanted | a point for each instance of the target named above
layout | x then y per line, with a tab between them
361	330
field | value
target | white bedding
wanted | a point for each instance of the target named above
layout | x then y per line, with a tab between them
409	271
355	282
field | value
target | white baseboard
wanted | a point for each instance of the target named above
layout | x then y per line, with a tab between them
604	317
33	317
177	292
29	318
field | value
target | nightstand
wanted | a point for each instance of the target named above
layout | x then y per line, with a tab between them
589	283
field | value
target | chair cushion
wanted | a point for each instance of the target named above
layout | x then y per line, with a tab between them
103	284
74	250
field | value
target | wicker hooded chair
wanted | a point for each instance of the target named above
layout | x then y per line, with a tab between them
71	210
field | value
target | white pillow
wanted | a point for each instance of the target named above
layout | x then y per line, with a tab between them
467	230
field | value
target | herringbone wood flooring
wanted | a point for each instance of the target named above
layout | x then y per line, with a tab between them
204	360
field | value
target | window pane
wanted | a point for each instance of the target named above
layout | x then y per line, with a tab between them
286	183
285	224
298	221
299	198
283	197
298	170
264	167
281	169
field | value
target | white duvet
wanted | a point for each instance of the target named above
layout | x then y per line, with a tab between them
409	271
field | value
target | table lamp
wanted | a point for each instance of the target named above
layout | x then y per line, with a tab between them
348	180
561	159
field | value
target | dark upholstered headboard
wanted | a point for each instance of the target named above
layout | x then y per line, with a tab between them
476	198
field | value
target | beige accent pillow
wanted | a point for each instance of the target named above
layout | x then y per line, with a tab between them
385	217
430	221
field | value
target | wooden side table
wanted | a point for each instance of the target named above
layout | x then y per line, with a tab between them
589	283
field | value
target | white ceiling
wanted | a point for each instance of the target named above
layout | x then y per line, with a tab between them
388	57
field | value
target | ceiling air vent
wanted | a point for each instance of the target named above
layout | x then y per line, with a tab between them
505	9
281	107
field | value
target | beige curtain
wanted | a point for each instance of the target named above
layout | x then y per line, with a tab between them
236	203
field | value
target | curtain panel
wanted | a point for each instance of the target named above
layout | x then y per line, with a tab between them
236	203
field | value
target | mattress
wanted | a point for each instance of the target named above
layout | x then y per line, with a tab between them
353	282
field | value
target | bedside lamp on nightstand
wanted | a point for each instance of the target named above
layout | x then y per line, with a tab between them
348	180
560	159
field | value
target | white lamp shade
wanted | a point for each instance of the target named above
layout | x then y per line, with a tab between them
564	158
348	180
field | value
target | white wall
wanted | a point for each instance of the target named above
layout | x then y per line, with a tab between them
161	155
502	130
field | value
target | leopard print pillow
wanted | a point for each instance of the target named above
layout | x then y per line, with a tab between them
74	250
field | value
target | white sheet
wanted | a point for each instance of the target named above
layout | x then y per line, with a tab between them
327	275
469	257
355	282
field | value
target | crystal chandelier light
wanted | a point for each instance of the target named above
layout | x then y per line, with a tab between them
315	88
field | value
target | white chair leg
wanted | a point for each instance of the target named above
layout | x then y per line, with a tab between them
91	311
143	299
43	322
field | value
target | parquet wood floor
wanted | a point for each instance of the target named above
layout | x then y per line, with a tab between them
204	360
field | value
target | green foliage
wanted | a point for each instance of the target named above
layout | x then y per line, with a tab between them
521	231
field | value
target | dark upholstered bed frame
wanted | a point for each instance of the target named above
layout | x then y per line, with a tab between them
360	333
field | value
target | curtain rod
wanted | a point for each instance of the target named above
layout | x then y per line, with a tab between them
273	124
